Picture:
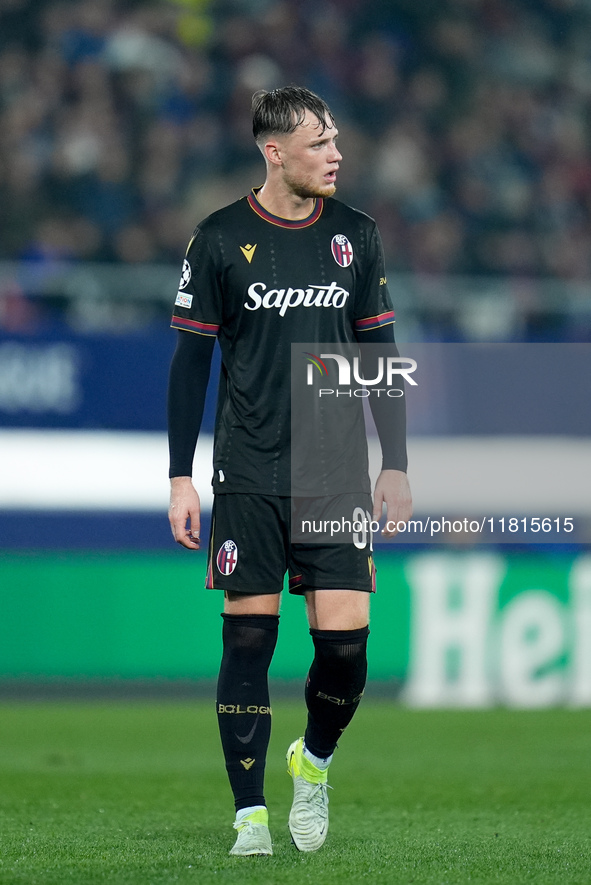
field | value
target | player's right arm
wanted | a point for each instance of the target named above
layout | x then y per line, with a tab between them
187	387
197	315
184	512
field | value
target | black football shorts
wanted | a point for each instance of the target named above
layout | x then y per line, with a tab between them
251	546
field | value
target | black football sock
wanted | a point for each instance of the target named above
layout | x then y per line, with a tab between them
335	685
244	714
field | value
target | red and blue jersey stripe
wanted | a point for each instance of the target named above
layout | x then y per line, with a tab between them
195	326
374	322
285	222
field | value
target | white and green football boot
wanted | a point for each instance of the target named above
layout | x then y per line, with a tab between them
308	818
253	835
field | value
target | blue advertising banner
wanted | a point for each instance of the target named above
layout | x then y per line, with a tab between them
65	380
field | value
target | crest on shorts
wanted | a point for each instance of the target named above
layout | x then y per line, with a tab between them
342	250
185	275
227	558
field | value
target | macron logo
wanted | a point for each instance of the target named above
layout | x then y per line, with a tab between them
248	251
330	295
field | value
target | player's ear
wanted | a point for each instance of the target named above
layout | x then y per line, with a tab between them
272	152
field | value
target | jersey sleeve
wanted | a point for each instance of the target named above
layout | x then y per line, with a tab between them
187	388
198	303
373	305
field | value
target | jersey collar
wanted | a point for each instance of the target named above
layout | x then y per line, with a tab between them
284	222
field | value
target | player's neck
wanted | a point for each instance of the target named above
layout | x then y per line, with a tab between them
283	203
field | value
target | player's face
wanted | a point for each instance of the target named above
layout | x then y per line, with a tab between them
310	159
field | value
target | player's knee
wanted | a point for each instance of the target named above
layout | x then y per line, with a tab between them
249	637
342	655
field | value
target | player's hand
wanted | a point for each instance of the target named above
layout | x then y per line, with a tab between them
393	490
184	512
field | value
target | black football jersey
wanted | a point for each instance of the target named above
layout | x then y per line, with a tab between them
261	283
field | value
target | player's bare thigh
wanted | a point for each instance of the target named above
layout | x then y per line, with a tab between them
250	604
337	609
326	609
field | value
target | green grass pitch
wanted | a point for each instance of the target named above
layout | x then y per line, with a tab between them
135	792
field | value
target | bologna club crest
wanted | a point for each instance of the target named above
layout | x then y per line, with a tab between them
227	558
342	250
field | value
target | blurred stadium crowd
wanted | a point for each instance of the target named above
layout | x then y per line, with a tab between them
464	124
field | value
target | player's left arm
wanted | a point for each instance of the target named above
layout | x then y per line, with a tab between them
392	489
374	318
